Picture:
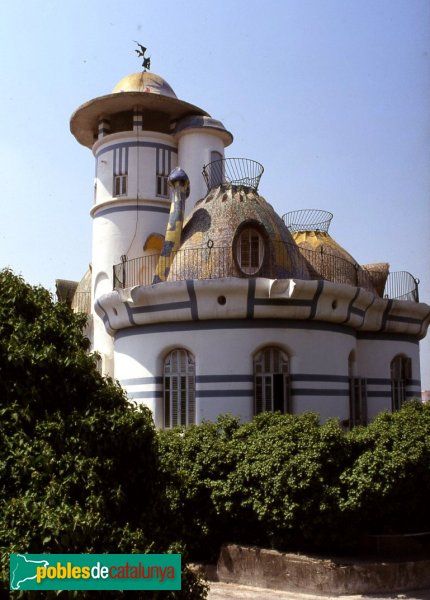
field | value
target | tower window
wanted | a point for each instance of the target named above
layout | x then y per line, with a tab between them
120	185
162	188
250	251
272	381
164	166
120	170
179	389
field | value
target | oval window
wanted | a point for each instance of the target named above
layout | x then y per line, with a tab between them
250	251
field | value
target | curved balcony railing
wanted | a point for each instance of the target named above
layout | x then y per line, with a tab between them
234	171
219	262
401	285
308	219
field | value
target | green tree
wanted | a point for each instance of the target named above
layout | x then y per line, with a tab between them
289	483
387	485
271	482
79	465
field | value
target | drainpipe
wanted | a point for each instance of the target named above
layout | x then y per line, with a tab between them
179	191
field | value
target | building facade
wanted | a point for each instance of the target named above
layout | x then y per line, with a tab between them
203	301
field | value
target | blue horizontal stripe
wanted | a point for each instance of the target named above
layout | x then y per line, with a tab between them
160	307
145	395
141	380
225	393
307	377
216	324
379	394
319	392
135	144
223	378
131	207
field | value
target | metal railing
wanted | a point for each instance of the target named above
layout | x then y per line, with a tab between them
401	285
282	260
234	171
308	219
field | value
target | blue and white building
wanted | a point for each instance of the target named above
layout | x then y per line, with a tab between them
258	311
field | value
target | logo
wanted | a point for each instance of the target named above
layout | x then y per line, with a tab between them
95	571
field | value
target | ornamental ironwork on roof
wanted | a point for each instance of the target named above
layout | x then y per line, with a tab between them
242	172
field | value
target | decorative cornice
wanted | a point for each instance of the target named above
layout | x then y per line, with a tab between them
342	306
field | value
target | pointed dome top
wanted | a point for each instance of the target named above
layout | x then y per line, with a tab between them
144	82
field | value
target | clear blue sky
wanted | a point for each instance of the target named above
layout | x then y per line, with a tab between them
332	96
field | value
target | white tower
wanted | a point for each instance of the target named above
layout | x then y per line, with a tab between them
138	134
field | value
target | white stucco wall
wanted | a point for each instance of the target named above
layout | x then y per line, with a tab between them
374	358
141	151
224	366
194	151
224	322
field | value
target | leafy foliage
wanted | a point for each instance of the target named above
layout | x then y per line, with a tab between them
83	471
289	483
79	466
388	484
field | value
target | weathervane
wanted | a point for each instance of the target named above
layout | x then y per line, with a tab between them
146	62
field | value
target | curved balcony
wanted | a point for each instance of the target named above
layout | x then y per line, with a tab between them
401	285
308	219
219	262
242	172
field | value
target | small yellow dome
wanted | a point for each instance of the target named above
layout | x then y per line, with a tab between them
144	82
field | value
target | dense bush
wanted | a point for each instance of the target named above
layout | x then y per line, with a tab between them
79	466
388	484
83	471
289	483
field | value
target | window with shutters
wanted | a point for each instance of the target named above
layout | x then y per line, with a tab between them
120	185
179	389
120	171
163	167
357	395
272	381
250	250
401	372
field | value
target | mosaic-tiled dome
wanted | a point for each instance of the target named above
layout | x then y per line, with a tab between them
233	231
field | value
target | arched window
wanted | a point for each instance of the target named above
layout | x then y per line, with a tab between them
179	388
271	380
400	368
357	395
250	250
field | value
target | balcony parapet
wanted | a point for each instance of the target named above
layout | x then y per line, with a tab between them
308	219
212	262
242	172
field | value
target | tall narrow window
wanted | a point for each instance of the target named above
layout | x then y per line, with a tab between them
250	250
120	171
357	401
164	160
400	372
272	381
179	389
120	185
357	395
216	170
